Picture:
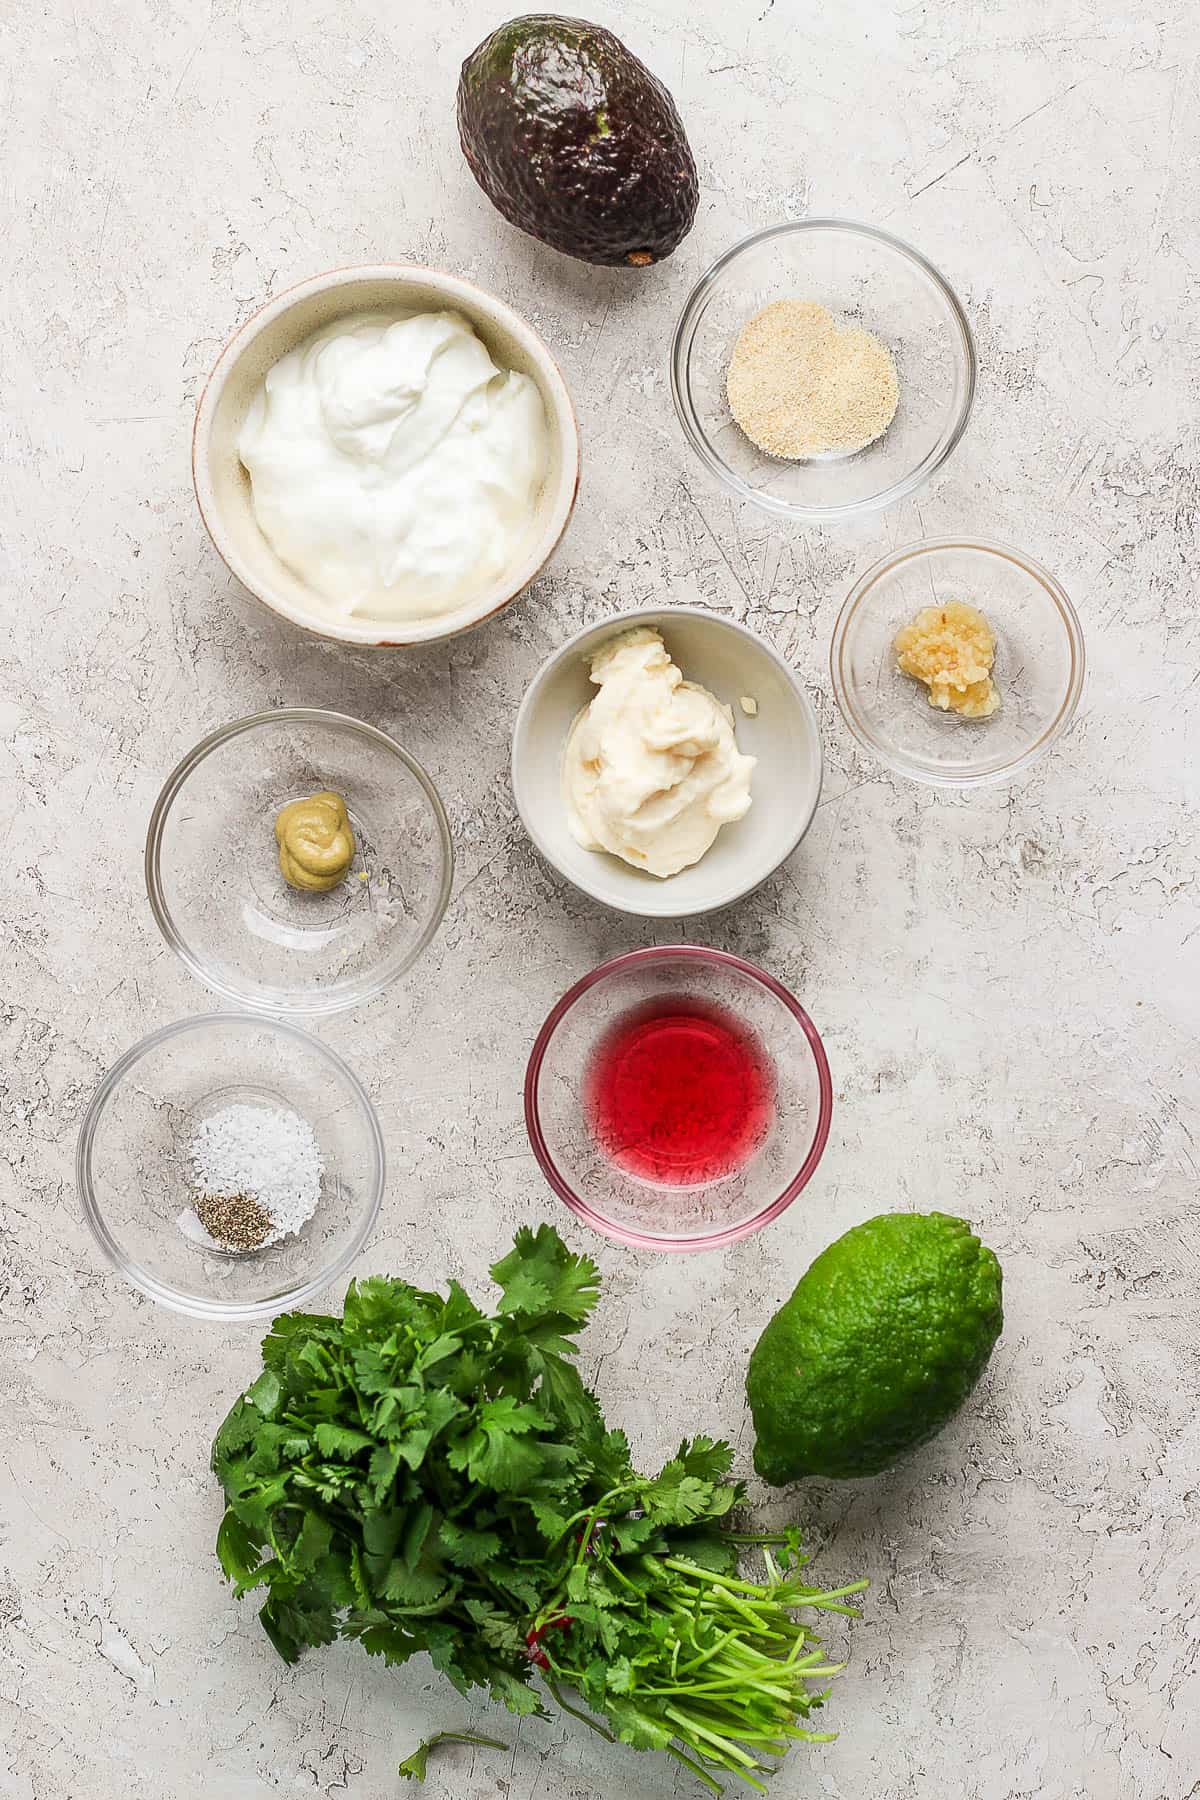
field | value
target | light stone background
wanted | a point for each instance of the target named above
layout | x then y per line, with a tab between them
1007	983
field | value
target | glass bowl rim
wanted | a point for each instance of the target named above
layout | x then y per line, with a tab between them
302	1006
697	437
193	1305
914	769
648	1240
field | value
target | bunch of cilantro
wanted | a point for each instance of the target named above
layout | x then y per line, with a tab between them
423	1476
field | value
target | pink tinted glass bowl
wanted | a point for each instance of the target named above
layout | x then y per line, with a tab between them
658	1217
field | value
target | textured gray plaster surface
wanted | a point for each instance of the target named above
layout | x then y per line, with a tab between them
1007	983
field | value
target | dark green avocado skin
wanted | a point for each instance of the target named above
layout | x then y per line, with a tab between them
576	142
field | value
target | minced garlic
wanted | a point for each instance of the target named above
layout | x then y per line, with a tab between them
951	648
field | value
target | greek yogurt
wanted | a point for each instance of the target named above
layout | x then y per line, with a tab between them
393	466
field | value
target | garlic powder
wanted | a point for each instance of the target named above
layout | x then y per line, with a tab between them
801	385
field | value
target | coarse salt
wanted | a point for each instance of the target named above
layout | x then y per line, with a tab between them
268	1153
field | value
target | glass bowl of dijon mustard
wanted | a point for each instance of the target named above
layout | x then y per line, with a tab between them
298	861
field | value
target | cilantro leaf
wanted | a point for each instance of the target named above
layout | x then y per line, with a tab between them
415	1767
493	1454
459	1311
676	1498
438	1410
540	1275
395	1644
382	1471
466	1548
442	1349
635	1533
633	1725
499	1629
382	1531
238	1431
416	1534
611	1459
515	1693
706	1552
340	1440
313	1542
620	1677
265	1394
705	1458
561	1389
414	1589
293	1625
551	1523
237	1549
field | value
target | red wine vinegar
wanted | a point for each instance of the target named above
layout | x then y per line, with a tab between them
679	1092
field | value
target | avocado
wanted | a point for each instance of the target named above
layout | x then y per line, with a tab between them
576	142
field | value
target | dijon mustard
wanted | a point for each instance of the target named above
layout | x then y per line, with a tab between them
316	842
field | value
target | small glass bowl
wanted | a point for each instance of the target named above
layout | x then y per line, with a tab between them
1039	665
133	1167
865	277
629	1208
212	866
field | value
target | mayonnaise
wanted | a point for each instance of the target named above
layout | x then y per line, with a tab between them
651	769
393	467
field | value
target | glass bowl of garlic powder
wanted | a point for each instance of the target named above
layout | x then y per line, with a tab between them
823	369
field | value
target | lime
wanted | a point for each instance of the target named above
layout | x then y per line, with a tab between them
881	1342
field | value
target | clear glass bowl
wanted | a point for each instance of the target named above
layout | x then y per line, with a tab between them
133	1166
864	276
1039	665
212	868
648	1214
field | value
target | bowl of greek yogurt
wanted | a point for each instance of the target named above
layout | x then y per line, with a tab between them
385	455
666	761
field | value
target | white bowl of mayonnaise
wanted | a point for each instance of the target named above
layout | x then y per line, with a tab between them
666	761
385	455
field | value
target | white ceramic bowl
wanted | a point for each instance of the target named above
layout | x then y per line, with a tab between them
223	486
729	660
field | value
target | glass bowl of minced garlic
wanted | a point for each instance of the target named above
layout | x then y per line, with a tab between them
823	369
957	662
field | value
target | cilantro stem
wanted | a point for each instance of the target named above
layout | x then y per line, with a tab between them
702	1774
575	1711
734	1683
706	1656
819	1596
607	1503
804	1596
692	1728
734	1603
